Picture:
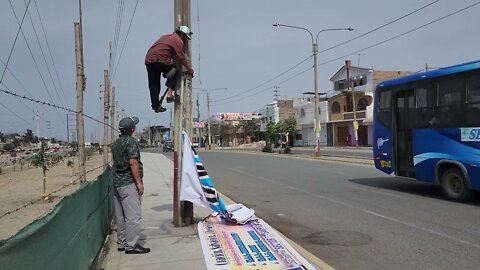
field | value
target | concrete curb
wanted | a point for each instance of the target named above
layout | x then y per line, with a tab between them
347	159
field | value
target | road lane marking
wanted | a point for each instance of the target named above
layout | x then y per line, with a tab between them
412	225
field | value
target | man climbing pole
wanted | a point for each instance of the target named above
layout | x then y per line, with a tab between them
159	60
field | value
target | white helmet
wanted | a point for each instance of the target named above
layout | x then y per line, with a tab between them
186	30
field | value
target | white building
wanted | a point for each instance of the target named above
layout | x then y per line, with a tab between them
305	116
275	112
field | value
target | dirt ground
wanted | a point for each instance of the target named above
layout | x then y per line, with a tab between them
25	186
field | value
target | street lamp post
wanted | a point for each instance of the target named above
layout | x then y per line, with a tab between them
315	79
208	113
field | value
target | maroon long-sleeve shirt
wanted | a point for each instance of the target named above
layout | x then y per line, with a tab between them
164	50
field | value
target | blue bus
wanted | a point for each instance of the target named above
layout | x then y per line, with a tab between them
427	127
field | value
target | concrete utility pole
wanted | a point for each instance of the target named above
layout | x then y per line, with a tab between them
80	89
112	116
349	83
106	102
183	118
317	124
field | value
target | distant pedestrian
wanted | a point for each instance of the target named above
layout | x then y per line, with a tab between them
159	60
128	188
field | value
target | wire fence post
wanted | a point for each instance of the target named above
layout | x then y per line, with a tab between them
112	116
80	89
106	104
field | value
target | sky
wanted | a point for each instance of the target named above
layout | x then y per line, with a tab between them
234	46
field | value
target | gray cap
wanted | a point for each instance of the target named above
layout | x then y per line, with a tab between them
128	123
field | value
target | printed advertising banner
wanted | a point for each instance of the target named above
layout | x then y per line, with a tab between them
252	246
237	116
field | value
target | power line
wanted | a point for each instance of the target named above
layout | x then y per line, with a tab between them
400	35
261	91
44	58
50	52
21	101
124	41
264	83
18	116
15	41
118	25
378	28
33	57
55	106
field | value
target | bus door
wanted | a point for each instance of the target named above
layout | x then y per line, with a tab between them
404	104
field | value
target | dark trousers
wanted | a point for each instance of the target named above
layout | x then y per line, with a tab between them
155	71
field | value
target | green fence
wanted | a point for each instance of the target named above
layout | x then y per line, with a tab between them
69	237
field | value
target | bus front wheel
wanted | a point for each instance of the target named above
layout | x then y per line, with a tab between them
455	185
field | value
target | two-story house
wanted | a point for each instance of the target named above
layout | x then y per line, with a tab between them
360	92
305	116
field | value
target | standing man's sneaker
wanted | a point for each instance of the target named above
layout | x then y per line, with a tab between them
137	250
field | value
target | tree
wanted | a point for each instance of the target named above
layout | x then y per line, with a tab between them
225	131
16	142
2	137
288	126
45	161
8	147
251	127
272	133
28	137
53	140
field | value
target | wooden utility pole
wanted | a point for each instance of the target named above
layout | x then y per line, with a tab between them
106	104
80	89
183	118
112	116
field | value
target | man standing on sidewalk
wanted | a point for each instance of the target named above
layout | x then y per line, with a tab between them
128	188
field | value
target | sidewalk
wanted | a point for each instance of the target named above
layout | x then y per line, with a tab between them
171	248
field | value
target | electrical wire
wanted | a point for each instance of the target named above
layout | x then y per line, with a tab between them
264	83
50	52
15	41
262	91
55	106
400	35
117	63
18	116
378	28
118	25
33	57
45	60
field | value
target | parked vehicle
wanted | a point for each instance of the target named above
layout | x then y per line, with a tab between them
168	146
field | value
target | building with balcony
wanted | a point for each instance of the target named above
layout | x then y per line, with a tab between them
361	93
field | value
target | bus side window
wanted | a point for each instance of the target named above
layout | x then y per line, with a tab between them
473	100
424	105
451	102
384	108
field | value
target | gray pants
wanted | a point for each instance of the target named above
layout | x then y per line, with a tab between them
128	214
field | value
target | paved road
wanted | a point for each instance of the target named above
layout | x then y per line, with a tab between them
352	216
